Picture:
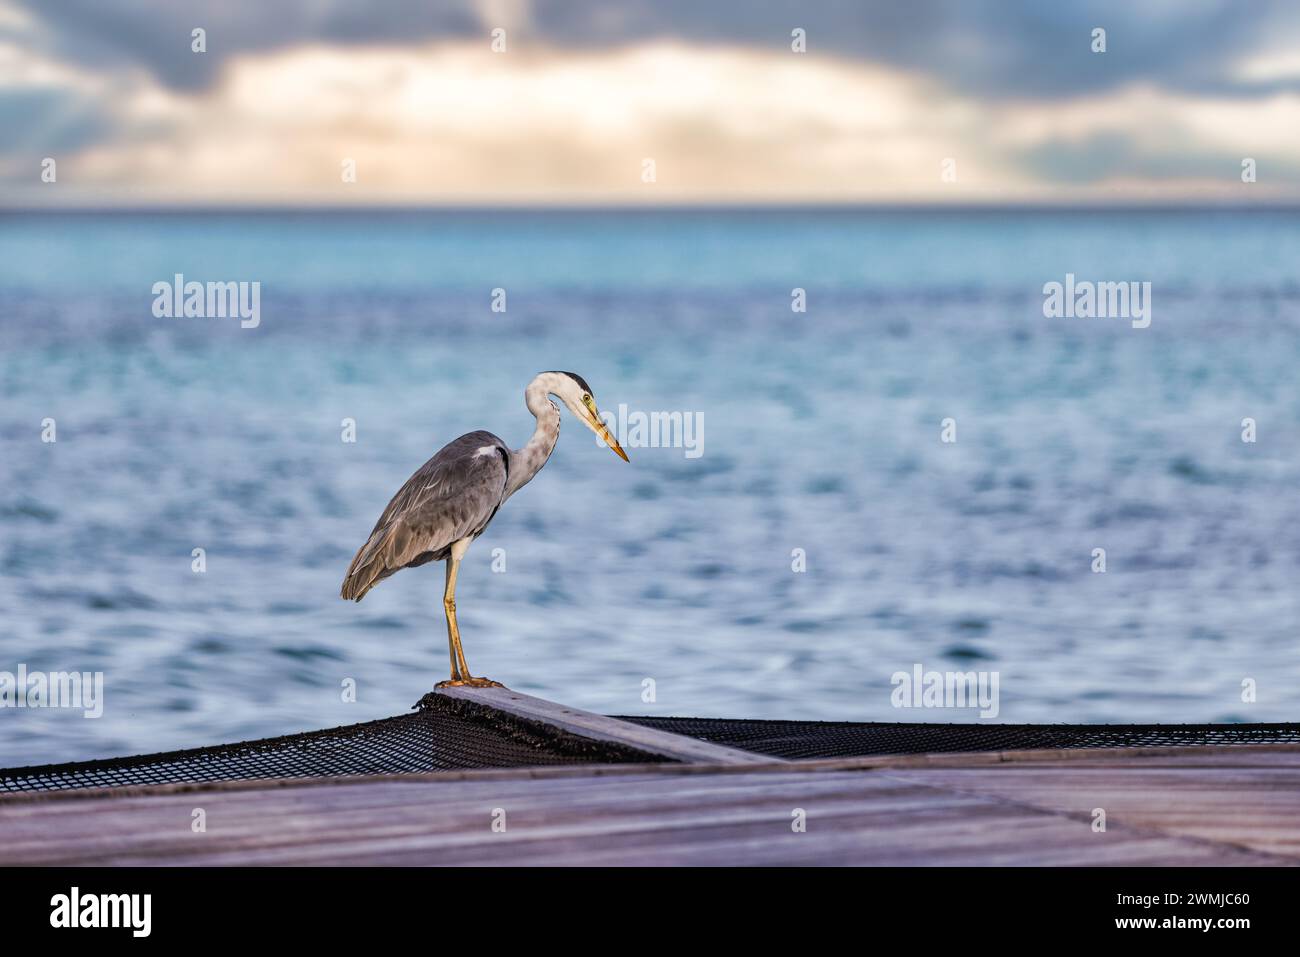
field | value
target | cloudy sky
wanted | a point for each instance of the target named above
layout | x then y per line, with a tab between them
587	90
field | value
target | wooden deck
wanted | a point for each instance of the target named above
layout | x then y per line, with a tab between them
1190	806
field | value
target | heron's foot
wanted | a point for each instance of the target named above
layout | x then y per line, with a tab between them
469	683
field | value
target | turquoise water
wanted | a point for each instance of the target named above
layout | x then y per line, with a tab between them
821	433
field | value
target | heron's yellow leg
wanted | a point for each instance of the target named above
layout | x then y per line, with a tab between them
453	633
453	630
459	668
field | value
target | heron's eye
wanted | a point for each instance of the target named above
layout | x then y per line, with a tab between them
586	398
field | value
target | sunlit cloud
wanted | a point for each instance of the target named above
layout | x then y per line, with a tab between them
456	122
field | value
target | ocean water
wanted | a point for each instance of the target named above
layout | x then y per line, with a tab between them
821	432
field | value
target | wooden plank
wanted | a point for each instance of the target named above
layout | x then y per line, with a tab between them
1012	814
1253	807
678	747
853	818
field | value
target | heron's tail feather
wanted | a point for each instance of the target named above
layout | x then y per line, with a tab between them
367	568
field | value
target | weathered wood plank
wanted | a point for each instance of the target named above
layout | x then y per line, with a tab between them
1002	813
588	724
460	810
1256	808
859	818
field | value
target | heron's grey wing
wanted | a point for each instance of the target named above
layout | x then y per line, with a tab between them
452	496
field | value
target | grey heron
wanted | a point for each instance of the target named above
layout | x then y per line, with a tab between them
450	500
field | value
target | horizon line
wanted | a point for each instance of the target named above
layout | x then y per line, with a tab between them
976	206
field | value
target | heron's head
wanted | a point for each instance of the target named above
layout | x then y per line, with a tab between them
572	389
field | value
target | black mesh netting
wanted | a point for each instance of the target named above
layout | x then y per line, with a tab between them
444	734
449	734
842	739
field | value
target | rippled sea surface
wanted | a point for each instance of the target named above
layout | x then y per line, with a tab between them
821	432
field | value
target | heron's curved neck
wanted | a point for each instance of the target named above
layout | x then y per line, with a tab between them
528	461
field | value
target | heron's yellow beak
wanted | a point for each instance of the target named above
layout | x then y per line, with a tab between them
598	427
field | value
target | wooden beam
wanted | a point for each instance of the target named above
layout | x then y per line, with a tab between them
678	747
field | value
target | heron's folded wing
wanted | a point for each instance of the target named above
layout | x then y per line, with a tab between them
453	496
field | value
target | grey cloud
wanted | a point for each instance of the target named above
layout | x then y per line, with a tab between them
155	34
1033	49
1014	48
